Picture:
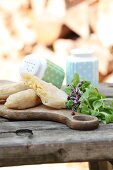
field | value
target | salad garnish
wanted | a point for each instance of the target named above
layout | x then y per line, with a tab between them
84	98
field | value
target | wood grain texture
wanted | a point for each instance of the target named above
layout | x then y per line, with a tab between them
100	165
106	89
78	121
52	142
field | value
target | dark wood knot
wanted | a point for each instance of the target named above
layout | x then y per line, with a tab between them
24	132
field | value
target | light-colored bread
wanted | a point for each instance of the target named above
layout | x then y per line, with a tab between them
8	89
23	100
50	95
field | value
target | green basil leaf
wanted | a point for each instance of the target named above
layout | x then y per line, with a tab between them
85	85
107	110
68	90
69	104
97	104
84	109
84	96
106	118
93	91
93	98
75	80
94	113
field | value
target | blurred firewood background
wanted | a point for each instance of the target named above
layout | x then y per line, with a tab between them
53	28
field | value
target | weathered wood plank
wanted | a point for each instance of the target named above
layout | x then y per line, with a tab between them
3	119
32	125
106	89
100	165
41	125
56	145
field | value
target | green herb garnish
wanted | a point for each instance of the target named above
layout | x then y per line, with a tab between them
84	98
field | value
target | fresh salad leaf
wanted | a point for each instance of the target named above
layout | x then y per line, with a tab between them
85	85
68	90
69	104
75	80
97	104
84	98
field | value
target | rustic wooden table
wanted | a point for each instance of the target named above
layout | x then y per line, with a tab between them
39	142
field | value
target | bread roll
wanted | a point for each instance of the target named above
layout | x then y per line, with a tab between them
50	95
23	100
7	90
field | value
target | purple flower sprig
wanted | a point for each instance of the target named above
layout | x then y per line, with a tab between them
73	98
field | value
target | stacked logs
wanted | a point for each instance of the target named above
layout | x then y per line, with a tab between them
52	28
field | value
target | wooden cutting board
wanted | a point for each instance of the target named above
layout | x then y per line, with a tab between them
78	121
